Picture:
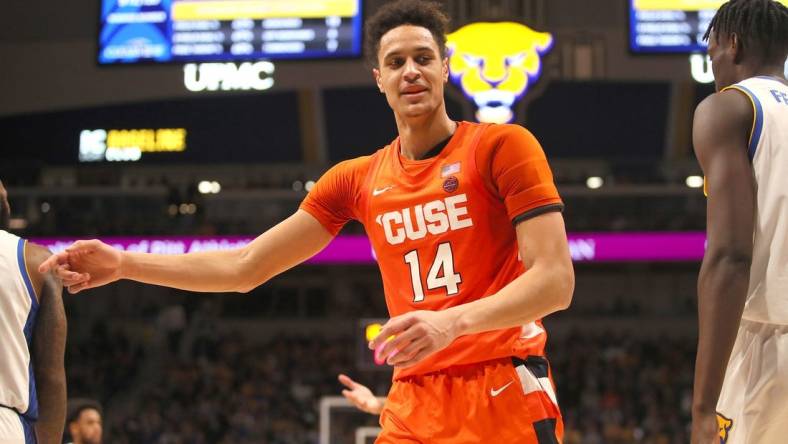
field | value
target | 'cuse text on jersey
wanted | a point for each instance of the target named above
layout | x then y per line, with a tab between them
435	217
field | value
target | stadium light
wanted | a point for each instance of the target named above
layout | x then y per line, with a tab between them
694	181
204	187
594	182
209	187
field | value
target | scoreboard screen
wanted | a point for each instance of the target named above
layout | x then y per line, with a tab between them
671	26
134	31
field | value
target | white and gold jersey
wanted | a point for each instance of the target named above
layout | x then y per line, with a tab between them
767	297
18	309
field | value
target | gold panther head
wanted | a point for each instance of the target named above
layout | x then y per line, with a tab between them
724	424
494	63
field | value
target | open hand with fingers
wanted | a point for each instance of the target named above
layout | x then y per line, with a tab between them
85	264
408	339
361	396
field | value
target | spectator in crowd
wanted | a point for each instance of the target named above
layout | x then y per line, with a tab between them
83	423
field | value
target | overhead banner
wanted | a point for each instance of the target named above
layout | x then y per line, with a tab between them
584	247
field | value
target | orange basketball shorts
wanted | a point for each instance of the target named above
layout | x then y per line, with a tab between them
503	401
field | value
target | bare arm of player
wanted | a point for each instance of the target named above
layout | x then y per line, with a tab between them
361	396
720	135
89	264
48	350
545	287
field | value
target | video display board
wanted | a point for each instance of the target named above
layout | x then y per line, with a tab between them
140	31
671	26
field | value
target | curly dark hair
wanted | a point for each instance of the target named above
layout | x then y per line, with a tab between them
427	14
760	25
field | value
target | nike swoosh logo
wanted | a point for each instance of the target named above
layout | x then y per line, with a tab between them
378	192
495	393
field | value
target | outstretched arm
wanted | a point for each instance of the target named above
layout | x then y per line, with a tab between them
720	135
89	264
48	348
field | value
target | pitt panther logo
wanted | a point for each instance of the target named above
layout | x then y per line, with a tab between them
495	63
724	425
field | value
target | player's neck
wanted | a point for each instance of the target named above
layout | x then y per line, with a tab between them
748	71
418	136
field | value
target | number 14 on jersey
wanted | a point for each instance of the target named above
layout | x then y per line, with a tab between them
441	272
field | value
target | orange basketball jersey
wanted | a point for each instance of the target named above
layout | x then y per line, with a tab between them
443	228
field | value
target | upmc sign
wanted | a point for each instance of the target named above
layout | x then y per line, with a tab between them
700	66
228	76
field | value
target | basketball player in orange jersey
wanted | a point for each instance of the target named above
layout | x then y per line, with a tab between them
466	224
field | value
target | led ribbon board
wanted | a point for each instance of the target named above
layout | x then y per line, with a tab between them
584	247
495	63
128	145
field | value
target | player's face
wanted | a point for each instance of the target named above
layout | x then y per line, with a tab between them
87	429
411	72
722	55
5	208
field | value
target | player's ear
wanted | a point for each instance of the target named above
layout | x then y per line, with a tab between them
736	47
378	81
445	69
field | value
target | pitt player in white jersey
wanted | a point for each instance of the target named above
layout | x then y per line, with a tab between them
32	343
741	141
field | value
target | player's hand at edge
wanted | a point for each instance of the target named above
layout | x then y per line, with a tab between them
59	264
416	335
84	264
360	395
